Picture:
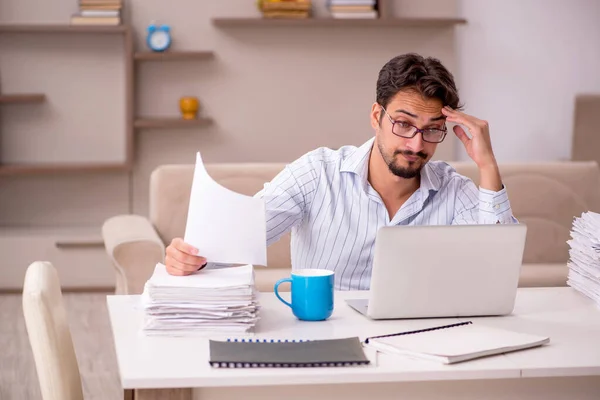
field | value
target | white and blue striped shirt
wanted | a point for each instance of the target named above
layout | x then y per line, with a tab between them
334	213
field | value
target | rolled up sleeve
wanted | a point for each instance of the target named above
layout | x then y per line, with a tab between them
491	207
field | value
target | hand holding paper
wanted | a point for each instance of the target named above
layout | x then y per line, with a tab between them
181	258
226	227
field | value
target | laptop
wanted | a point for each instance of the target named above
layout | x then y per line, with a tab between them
444	271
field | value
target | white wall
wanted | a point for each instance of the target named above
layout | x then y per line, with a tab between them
520	64
273	93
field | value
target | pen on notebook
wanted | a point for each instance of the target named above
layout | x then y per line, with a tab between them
419	331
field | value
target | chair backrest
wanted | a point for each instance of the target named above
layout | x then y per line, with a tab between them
547	196
586	133
49	334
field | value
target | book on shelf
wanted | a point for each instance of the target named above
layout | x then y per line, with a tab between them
355	15
107	7
285	14
99	5
285	9
80	20
353	9
98	12
371	3
285	6
100	2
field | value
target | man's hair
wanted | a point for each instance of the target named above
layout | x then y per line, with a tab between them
411	71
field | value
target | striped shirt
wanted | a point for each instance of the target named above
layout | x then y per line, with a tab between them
334	214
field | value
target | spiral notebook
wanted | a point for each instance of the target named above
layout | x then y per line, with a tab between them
454	343
270	353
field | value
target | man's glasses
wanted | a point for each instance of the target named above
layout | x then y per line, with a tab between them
408	131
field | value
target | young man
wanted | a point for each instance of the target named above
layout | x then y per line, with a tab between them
334	201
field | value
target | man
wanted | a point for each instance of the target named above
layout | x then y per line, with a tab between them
334	201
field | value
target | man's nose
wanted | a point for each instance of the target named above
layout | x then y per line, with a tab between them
416	143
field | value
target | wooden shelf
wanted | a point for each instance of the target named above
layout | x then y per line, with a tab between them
331	22
39	169
163	123
55	168
62	28
78	243
22	98
64	237
173	55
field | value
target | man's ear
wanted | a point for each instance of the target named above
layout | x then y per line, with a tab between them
375	116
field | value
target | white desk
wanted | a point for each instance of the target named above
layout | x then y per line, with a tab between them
569	367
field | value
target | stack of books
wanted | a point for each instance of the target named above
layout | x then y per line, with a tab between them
359	9
98	12
210	301
584	256
285	8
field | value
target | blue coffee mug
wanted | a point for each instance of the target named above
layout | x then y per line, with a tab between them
312	294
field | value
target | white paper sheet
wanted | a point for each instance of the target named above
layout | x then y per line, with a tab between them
220	279
226	227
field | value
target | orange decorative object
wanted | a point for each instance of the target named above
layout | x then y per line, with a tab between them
189	107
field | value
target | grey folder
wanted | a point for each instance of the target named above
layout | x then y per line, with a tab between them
248	353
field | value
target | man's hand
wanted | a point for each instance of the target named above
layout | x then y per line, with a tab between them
479	146
182	259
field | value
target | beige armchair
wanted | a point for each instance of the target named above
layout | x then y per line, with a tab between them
49	334
545	196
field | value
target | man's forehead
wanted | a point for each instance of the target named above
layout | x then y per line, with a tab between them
415	103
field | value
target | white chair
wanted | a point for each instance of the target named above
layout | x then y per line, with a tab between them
49	334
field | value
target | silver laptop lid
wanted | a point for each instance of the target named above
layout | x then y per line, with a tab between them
446	271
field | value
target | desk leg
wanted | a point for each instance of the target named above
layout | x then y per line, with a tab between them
163	394
127	394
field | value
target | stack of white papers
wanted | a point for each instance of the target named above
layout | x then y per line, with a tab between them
584	260
209	301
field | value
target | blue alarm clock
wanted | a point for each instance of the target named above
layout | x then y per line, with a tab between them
159	37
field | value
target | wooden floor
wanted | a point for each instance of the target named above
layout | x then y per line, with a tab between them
88	319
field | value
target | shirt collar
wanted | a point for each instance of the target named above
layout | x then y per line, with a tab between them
357	162
429	179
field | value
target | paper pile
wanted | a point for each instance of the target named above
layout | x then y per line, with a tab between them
584	262
208	301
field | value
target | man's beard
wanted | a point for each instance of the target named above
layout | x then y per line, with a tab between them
414	168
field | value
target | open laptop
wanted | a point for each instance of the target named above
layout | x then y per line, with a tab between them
444	271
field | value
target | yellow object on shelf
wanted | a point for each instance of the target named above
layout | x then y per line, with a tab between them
284	8
189	107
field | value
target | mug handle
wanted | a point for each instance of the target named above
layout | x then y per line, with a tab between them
276	287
